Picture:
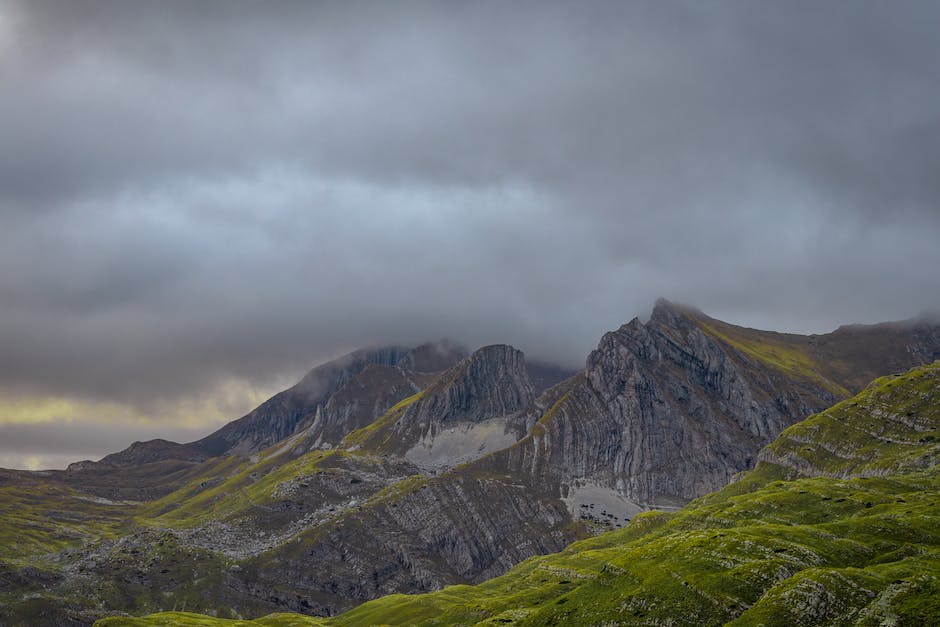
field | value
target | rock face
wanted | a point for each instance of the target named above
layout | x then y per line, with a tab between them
279	417
460	529
491	383
358	402
665	412
669	410
777	547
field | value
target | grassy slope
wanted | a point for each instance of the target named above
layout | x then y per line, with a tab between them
841	526
41	518
247	484
791	354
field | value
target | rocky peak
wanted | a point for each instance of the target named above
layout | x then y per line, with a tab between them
285	413
670	313
491	382
466	410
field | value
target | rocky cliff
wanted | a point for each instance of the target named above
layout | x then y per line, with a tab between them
463	414
671	409
280	416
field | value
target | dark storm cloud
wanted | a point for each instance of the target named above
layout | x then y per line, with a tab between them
195	192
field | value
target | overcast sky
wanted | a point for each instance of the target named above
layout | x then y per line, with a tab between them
201	200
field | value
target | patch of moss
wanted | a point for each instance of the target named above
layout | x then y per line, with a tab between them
774	350
44	518
371	435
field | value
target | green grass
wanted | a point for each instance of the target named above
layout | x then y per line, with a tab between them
711	563
247	485
229	487
893	424
772	349
850	537
375	433
43	518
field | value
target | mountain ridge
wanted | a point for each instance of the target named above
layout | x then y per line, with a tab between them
782	545
662	413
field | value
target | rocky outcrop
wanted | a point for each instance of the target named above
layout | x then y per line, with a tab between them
365	390
457	529
492	382
360	401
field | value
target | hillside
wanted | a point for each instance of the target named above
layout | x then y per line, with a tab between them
839	523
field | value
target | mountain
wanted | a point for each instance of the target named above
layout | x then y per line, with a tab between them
671	409
378	474
393	373
461	415
838	524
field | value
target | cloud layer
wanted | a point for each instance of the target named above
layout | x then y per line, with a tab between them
200	195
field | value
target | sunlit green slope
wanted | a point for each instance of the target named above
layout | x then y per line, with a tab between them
839	524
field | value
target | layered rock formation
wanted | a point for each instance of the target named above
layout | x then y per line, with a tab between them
671	409
279	417
465	413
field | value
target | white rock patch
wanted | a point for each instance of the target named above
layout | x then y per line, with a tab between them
460	443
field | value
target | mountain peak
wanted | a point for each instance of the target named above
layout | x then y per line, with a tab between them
280	416
668	312
493	381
